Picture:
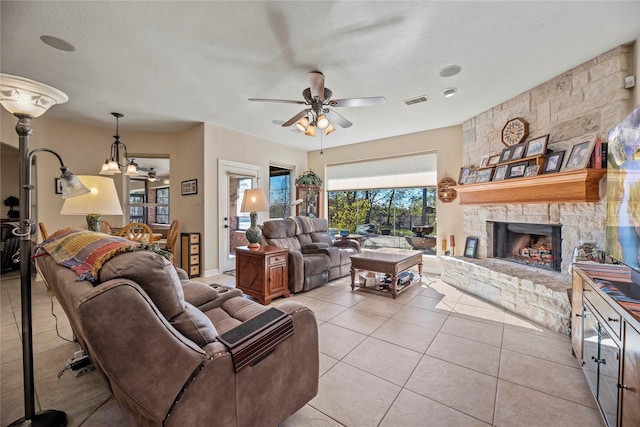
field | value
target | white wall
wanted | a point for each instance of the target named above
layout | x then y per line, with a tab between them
220	143
446	142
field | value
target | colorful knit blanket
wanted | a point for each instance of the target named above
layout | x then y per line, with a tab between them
85	252
304	224
631	304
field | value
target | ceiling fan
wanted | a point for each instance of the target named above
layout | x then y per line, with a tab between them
318	114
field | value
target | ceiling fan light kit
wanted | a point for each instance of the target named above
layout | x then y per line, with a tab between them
319	115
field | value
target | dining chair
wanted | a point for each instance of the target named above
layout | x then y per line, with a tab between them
106	227
137	231
172	236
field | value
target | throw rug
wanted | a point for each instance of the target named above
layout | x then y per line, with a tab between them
85	252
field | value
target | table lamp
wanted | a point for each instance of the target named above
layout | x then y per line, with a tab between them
254	201
102	200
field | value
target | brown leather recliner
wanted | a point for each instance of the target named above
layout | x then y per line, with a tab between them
153	333
314	258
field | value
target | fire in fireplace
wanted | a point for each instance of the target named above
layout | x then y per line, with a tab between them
538	245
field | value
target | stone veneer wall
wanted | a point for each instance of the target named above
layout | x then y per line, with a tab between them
538	295
572	107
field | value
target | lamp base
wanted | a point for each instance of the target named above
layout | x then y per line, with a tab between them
94	221
253	245
253	233
49	418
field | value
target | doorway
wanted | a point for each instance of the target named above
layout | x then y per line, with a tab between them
233	179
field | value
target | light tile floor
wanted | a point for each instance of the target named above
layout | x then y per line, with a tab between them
435	356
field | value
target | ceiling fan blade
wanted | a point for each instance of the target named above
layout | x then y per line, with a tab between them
282	101
295	118
358	102
337	118
317	84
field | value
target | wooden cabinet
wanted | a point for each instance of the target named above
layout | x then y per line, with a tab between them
262	272
606	341
311	196
190	253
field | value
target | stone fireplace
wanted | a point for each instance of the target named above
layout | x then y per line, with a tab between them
536	245
573	107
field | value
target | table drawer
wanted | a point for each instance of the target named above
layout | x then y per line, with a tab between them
195	259
608	314
277	259
194	238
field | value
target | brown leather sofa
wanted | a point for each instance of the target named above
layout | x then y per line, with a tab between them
314	257
153	333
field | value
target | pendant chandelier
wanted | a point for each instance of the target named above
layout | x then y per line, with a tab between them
118	157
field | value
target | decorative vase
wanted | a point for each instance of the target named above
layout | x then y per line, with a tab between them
253	233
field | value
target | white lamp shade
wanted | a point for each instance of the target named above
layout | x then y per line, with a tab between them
254	201
103	198
323	122
302	124
20	95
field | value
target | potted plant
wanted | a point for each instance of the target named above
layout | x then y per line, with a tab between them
309	178
12	202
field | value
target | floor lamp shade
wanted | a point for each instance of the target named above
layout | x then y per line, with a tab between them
102	200
254	201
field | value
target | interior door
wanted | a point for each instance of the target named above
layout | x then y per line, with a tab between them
233	179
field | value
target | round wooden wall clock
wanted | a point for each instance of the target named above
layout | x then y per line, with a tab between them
446	194
515	131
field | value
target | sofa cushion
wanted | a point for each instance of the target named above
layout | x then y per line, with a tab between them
159	279
281	233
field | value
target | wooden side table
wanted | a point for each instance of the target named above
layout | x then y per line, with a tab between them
263	272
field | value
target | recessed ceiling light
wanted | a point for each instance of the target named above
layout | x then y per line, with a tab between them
277	122
450	71
448	93
57	43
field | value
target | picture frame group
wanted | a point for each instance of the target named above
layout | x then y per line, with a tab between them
527	159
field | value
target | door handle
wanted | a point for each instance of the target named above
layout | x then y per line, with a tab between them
226	226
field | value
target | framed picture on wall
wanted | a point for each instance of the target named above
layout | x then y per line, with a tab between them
538	146
464	173
506	155
189	187
484	175
579	156
493	160
500	173
516	170
553	163
57	186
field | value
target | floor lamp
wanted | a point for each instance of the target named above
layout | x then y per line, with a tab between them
27	99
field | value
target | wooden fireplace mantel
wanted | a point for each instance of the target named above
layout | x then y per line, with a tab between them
581	185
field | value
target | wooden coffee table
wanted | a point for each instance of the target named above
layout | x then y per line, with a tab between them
388	261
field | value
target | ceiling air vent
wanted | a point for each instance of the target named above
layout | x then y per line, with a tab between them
416	100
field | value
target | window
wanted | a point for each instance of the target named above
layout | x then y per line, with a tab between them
244	220
136	207
380	212
279	192
162	205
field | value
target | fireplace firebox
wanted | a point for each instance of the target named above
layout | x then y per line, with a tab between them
537	245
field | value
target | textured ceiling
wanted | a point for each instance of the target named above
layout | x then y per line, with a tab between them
167	65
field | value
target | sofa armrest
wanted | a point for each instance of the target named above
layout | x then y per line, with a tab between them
182	274
347	243
296	270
